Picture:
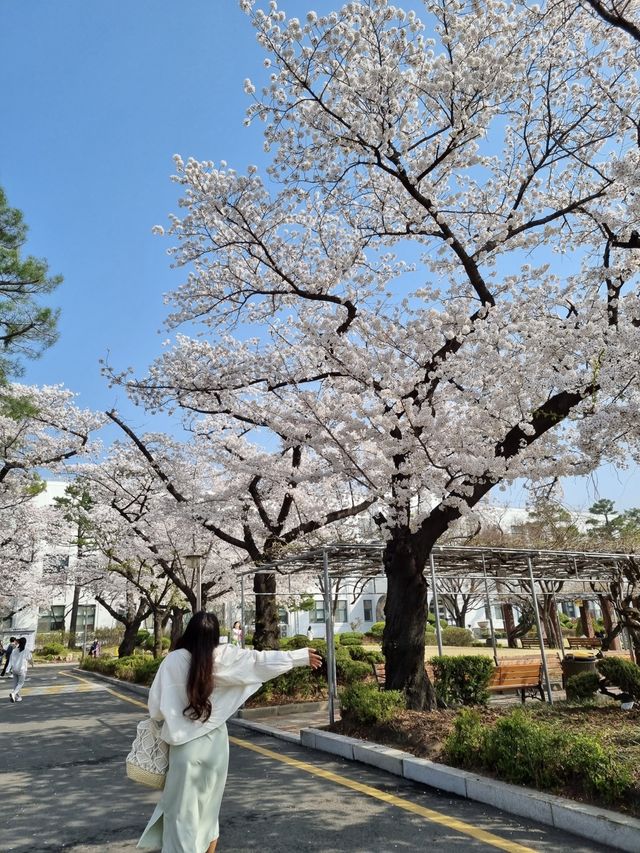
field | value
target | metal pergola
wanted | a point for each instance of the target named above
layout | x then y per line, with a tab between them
526	568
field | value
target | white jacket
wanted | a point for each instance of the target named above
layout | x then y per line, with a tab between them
19	661
237	674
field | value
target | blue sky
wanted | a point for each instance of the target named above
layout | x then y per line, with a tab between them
97	97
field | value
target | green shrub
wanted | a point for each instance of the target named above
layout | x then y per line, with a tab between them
126	667
431	620
53	650
452	636
144	671
248	639
462	679
141	636
524	751
104	665
366	705
582	686
298	641
350	671
376	630
350	638
150	642
299	683
369	656
466	743
621	673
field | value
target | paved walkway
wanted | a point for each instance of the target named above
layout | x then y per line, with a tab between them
62	754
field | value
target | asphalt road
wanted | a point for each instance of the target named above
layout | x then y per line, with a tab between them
63	788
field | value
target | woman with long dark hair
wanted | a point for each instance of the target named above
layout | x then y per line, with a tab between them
196	689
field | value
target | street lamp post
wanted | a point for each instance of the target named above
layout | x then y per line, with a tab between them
194	561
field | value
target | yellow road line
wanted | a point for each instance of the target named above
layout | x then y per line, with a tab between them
109	690
391	799
55	690
431	815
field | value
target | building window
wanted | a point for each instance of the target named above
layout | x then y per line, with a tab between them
86	618
367	606
52	619
317	614
341	610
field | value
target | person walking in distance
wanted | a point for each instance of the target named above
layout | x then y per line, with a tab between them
20	658
196	689
13	642
236	634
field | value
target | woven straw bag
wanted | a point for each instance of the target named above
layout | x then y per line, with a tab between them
148	760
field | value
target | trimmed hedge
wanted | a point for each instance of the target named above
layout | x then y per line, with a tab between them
376	630
369	656
462	679
451	636
524	751
140	670
582	686
366	705
621	673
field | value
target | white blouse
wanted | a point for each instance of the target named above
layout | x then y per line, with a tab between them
237	674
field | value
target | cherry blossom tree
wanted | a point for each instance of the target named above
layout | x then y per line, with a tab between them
434	288
40	428
257	502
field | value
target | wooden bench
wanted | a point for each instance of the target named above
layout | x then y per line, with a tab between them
524	676
530	642
584	642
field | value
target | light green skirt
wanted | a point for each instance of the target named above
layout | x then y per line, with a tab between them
186	817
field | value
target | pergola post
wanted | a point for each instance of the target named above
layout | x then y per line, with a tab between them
536	612
436	607
242	610
328	623
490	612
558	624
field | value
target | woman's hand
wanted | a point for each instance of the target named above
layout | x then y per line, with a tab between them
315	661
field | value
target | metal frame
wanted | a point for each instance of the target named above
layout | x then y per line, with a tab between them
531	566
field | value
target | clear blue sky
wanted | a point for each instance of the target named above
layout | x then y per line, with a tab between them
97	97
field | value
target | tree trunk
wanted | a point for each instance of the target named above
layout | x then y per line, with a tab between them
586	620
550	623
267	634
612	638
128	643
509	624
73	619
406	617
131	619
157	633
177	626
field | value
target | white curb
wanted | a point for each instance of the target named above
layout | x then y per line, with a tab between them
600	825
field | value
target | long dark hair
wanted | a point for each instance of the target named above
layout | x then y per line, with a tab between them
200	637
22	642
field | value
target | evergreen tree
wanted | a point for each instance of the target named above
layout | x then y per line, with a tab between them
26	327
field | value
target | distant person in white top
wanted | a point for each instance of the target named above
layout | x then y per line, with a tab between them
236	634
20	658
196	689
309	633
